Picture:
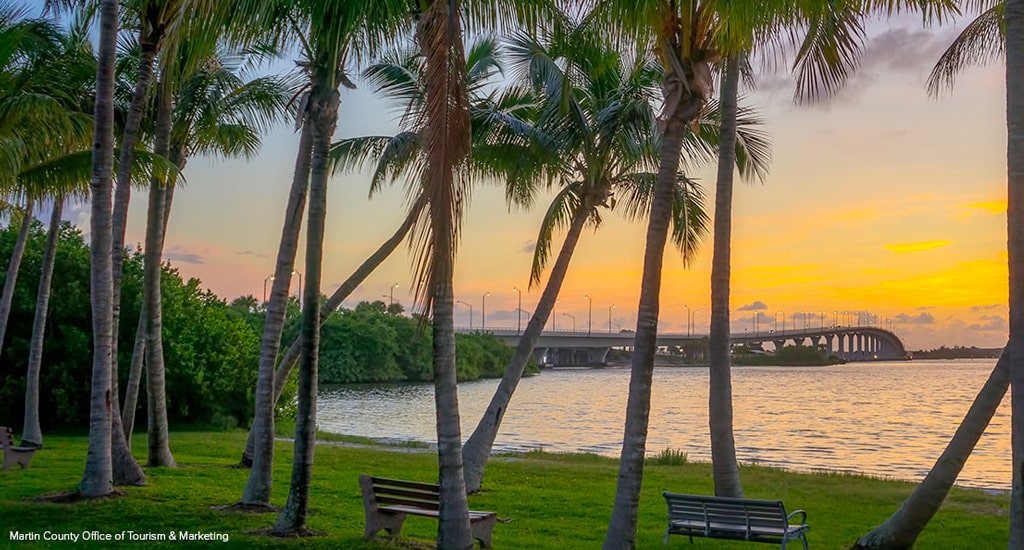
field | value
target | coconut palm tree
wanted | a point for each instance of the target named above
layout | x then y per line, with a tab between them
399	78
689	37
97	479
1015	222
598	128
216	113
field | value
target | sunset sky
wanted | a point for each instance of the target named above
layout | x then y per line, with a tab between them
880	200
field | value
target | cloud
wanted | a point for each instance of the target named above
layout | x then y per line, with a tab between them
986	307
528	247
919	319
990	207
902	248
178	254
757	305
251	253
992	323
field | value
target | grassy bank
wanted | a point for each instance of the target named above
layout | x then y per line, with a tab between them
554	501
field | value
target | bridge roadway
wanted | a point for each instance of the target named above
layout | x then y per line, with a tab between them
852	343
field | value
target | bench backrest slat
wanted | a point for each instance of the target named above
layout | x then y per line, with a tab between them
422	504
385	482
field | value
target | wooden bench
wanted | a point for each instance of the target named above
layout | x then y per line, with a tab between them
14	455
388	501
733	519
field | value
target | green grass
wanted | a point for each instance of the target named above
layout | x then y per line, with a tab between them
554	501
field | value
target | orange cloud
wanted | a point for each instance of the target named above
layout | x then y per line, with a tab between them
991	207
901	248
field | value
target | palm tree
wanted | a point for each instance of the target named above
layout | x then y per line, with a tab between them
31	433
723	446
1015	224
216	113
97	479
981	41
689	38
13	265
598	123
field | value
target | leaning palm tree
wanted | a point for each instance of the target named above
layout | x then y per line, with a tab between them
983	40
598	131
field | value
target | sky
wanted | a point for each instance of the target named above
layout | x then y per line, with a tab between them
880	200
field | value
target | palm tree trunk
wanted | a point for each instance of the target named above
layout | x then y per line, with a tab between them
148	46
1014	19
12	269
901	530
291	357
97	479
159	452
622	526
723	448
258	487
31	432
324	117
478	446
131	393
439	36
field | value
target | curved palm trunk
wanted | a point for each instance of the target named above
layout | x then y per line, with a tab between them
622	526
1014	18
12	270
291	357
31	432
159	452
258	487
478	446
97	479
723	447
901	530
324	117
131	392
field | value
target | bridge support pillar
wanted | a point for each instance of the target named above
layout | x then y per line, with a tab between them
779	344
540	355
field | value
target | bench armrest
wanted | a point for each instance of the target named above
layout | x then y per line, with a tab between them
803	518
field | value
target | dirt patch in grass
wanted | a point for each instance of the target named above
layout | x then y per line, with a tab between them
242	508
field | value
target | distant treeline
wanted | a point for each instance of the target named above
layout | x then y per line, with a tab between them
958	352
211	348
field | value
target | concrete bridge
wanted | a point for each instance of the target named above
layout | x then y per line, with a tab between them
852	343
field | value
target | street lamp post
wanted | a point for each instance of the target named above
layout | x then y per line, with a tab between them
391	295
693	320
610	308
269	278
590	314
519	310
483	311
755	323
573	321
687	320
470	306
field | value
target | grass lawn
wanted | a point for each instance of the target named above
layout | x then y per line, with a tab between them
554	501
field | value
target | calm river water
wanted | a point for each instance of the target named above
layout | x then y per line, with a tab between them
888	418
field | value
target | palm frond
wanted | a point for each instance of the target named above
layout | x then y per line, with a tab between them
982	41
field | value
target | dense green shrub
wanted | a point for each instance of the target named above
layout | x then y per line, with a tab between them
210	351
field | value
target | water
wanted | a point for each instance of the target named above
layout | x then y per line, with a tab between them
888	419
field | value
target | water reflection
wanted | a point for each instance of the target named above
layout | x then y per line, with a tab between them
887	419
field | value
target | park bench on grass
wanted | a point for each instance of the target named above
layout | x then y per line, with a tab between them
12	454
733	519
388	501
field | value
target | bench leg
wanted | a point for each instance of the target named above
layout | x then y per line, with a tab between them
392	523
482	530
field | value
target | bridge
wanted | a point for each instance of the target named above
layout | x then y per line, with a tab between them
851	343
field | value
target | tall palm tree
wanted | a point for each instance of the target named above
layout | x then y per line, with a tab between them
597	126
97	479
689	37
13	265
1015	224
